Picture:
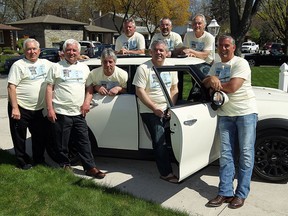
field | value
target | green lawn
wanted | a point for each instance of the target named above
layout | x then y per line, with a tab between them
51	191
265	76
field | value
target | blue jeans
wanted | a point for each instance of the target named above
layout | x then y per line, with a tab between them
155	126
237	135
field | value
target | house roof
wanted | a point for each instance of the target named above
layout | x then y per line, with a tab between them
93	28
8	27
48	19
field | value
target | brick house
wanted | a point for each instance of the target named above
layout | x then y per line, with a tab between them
8	36
50	30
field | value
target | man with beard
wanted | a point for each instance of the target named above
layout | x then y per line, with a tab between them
130	41
199	43
173	39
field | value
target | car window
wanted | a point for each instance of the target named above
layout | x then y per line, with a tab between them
191	90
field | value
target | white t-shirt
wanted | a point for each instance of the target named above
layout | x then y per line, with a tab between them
118	78
29	77
135	42
205	42
69	86
242	102
173	40
145	77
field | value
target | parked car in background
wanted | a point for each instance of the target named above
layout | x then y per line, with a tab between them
273	46
249	47
193	121
88	44
46	53
273	57
100	47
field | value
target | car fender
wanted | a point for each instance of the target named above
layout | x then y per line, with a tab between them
272	123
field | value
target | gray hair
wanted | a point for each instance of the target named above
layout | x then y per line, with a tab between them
30	40
71	41
108	52
129	20
157	42
226	36
165	18
202	16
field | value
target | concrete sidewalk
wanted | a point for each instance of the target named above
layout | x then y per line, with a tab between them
141	179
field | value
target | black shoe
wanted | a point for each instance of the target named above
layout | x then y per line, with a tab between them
218	201
26	166
237	202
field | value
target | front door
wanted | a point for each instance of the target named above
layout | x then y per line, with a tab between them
193	122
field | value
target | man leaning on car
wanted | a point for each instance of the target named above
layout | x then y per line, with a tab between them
152	105
237	120
66	108
107	79
26	91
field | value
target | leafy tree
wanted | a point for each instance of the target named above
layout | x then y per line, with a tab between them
150	11
241	13
275	15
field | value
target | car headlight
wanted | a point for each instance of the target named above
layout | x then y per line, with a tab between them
218	99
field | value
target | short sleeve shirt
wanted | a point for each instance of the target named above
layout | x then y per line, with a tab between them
173	40
29	77
69	86
145	78
241	102
205	42
135	42
118	78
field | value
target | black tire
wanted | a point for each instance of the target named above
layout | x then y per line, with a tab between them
271	155
252	62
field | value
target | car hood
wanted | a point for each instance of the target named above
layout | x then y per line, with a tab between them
271	94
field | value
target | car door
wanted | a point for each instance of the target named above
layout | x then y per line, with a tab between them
193	123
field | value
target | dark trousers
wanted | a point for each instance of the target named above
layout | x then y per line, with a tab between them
35	122
61	131
155	126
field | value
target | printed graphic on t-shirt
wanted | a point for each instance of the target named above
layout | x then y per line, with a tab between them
223	71
170	43
109	84
166	78
132	45
36	72
198	46
72	75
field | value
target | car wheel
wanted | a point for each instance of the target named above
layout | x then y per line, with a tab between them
271	155
252	62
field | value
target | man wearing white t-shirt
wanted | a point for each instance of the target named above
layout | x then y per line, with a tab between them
66	108
26	91
152	105
199	43
130	41
237	124
108	79
173	39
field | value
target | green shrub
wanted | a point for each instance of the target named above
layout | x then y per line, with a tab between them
9	52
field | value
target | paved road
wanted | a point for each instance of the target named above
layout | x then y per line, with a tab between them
141	179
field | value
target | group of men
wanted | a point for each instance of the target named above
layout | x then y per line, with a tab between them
65	89
197	43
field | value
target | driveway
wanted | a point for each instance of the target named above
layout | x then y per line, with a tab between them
141	179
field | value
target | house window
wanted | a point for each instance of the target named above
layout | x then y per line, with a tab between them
100	37
1	37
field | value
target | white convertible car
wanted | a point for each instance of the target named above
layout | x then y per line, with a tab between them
116	128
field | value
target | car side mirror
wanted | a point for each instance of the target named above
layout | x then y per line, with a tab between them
218	99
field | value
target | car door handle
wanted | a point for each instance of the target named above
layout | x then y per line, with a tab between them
93	103
190	122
